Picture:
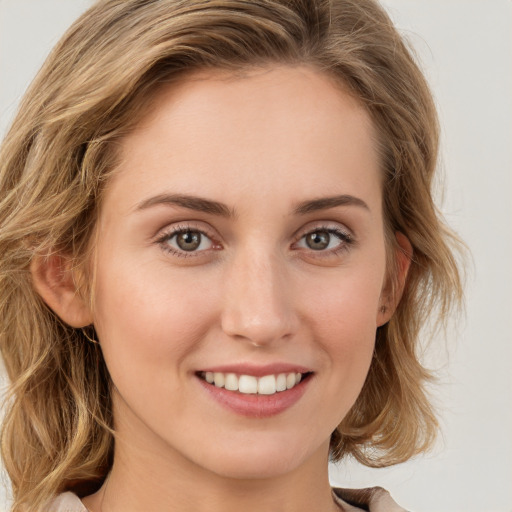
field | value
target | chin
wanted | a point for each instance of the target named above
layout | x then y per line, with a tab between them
269	459
249	469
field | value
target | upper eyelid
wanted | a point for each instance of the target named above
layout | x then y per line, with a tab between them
180	226
345	238
169	233
325	225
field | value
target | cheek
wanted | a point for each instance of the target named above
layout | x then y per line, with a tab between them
147	316
344	315
348	303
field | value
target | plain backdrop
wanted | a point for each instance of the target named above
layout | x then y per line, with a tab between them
465	47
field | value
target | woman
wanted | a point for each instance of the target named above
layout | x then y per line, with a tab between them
218	248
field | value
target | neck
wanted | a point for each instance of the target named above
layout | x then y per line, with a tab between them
151	475
141	482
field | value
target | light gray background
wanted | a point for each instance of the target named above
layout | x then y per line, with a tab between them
465	47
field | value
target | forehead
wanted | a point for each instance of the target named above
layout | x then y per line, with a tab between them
291	129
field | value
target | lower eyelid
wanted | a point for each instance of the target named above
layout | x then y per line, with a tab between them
345	238
166	236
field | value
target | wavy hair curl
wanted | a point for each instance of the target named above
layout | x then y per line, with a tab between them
93	88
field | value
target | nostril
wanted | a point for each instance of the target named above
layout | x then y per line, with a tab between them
258	331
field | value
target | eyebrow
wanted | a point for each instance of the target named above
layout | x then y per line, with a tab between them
216	208
190	202
324	203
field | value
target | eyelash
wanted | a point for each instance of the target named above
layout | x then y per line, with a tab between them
173	232
345	238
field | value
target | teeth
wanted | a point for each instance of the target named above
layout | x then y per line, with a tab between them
218	379
267	385
248	384
231	382
281	382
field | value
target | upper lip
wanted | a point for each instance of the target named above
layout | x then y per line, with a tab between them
257	370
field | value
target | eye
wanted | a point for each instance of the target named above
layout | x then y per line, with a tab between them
318	240
185	240
325	239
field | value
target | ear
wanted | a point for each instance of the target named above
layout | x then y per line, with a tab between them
392	292
54	280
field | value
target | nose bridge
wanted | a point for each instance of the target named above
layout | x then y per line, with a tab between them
257	304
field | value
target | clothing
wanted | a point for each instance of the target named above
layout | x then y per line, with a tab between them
66	502
374	499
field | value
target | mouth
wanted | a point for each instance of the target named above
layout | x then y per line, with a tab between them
252	385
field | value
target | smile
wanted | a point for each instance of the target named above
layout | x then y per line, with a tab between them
251	385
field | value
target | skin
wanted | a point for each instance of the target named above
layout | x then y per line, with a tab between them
253	292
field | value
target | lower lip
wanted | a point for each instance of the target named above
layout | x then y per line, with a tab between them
256	406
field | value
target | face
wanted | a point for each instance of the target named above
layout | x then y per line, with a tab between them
241	242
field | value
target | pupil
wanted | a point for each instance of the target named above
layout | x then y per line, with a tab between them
189	241
318	240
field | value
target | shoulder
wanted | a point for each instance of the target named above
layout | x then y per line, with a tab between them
372	499
66	502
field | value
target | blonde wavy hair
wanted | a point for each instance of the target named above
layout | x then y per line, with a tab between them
94	87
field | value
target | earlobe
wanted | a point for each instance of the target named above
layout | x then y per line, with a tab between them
53	279
391	296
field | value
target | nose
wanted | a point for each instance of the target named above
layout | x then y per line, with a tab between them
258	301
